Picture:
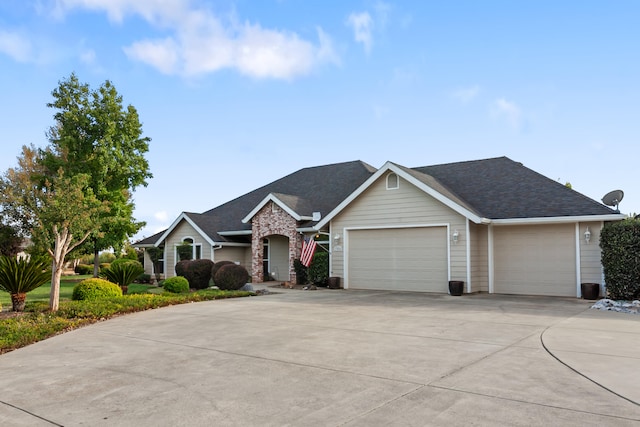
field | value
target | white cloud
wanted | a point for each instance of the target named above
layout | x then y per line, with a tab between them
466	95
161	216
362	26
508	110
199	42
16	46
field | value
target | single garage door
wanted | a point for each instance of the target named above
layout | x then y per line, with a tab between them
535	260
405	259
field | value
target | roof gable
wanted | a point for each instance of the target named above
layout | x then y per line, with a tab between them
292	205
423	181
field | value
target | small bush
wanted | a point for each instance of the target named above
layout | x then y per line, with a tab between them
231	277
319	269
176	285
83	269
143	278
90	289
620	244
217	267
302	272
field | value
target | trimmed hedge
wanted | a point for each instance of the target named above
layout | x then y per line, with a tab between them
90	289
217	267
200	270
620	244
197	272
319	268
231	277
176	285
83	269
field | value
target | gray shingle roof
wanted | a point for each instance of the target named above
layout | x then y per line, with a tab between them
319	188
500	188
496	188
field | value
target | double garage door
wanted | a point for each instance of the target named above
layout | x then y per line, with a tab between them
404	259
535	260
528	260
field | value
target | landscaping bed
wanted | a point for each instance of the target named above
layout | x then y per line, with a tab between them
37	322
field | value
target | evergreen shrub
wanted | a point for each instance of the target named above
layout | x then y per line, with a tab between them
231	277
620	244
90	289
176	285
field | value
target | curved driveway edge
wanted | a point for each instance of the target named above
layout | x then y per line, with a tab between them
325	358
604	346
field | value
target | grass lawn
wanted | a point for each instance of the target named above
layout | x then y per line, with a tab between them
42	293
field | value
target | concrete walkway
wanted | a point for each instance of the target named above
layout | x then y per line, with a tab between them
334	357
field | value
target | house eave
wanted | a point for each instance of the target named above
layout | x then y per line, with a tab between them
558	219
235	233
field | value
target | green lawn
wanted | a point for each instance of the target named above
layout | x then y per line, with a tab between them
42	293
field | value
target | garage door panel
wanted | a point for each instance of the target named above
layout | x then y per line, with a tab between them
535	260
412	259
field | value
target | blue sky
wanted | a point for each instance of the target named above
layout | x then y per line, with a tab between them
235	94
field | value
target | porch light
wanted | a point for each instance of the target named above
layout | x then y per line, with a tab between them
587	236
455	236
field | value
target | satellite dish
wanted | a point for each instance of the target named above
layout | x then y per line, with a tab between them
613	198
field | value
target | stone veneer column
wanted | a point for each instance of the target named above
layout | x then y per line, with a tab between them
273	220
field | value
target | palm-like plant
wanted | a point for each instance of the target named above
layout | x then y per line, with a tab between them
19	276
123	274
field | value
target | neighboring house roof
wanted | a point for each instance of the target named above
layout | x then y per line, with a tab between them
489	190
319	189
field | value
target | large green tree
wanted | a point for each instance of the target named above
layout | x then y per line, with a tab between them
96	135
59	212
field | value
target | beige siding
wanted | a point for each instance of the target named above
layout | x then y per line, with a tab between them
240	255
182	230
535	259
407	205
479	258
590	254
405	259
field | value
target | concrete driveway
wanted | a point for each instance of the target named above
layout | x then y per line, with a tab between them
333	358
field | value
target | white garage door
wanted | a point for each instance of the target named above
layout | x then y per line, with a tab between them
535	260
406	259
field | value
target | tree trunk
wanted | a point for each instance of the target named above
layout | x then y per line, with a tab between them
54	295
96	261
18	300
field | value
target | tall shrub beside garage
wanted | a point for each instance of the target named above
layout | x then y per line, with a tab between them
620	244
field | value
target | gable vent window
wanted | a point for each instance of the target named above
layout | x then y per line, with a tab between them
393	182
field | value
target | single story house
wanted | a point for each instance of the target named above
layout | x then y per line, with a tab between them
493	223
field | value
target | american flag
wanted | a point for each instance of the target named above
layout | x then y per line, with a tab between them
308	248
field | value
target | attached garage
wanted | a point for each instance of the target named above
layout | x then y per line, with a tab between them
535	260
405	259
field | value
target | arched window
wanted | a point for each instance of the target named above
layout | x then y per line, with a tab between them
393	181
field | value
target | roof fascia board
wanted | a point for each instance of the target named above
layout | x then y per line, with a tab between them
235	233
388	166
271	197
241	245
175	224
558	219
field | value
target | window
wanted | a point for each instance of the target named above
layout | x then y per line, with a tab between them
265	259
188	249
393	181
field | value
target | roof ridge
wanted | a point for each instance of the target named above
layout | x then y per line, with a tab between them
466	162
